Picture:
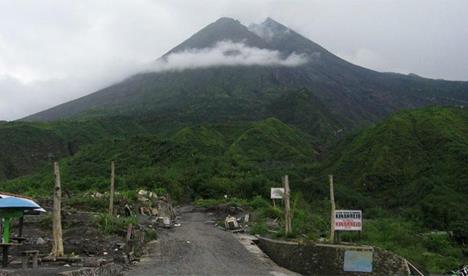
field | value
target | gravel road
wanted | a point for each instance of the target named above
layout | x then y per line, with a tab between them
199	248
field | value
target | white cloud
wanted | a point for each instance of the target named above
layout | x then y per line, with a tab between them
226	53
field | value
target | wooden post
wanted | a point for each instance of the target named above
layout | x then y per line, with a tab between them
111	197
287	207
332	219
20	227
57	247
5	255
129	232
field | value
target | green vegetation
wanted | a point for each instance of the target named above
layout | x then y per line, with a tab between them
408	174
25	147
227	159
414	163
113	225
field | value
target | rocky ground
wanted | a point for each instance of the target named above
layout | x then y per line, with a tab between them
87	242
85	245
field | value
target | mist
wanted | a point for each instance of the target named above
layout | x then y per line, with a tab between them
226	53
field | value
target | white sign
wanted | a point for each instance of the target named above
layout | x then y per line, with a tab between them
277	193
348	220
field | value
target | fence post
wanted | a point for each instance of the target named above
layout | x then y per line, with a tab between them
287	207
111	196
57	247
332	218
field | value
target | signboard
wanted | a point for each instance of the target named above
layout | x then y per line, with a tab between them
348	220
357	261
277	193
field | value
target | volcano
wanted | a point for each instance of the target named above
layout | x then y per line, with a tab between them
231	72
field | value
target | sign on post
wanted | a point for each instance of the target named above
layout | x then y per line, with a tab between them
277	193
348	220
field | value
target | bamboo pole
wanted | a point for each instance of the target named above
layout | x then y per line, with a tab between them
112	187
57	247
287	207
332	217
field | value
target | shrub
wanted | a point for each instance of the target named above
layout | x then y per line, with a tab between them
259	228
88	203
259	202
113	225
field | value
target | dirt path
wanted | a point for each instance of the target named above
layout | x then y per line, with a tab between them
198	248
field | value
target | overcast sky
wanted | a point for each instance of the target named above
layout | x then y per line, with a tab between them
54	51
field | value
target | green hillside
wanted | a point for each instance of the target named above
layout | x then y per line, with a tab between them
241	159
26	146
415	159
409	174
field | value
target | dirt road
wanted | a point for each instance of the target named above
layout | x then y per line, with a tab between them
199	248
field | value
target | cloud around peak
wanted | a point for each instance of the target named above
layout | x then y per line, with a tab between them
226	53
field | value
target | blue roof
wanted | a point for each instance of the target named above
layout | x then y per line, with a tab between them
12	202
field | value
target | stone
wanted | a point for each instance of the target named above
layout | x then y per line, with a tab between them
97	195
94	262
40	241
167	222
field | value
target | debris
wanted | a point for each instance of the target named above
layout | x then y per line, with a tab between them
29	255
187	242
122	259
128	211
177	224
146	196
272	223
62	259
94	262
97	195
167	222
246	218
40	241
230	223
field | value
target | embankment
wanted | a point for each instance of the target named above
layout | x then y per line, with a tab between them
331	259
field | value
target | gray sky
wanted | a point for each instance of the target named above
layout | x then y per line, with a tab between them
54	51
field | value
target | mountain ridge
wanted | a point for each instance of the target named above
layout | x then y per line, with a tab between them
350	94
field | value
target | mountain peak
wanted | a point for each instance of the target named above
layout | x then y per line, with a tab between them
223	29
271	23
226	20
269	29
